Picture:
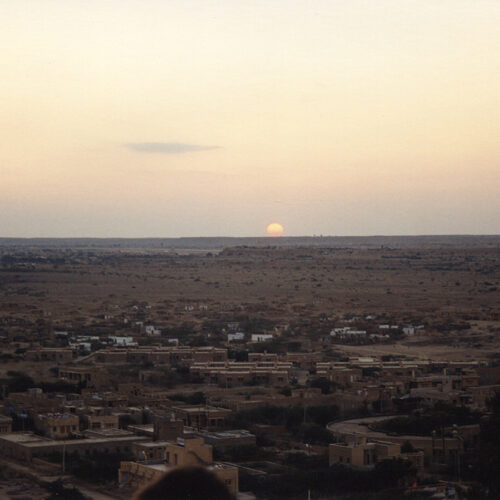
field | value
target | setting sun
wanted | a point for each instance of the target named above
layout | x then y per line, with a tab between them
275	229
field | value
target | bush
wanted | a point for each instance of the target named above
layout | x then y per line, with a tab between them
197	398
97	468
407	447
58	491
441	415
314	434
291	417
323	480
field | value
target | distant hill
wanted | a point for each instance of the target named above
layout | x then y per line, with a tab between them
212	243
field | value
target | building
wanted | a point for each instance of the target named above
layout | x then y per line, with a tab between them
98	418
201	417
5	424
56	355
167	427
436	449
90	377
160	355
25	445
123	341
232	374
106	399
362	453
481	394
235	337
340	374
346	334
160	457
222	440
137	474
261	337
150	330
57	425
359	452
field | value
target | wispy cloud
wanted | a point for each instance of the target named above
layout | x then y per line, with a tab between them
169	148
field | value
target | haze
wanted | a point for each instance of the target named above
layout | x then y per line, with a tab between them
198	118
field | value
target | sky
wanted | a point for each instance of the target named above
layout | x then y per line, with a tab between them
154	118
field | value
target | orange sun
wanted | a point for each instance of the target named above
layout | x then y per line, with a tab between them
275	229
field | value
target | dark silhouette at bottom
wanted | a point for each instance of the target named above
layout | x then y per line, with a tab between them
185	483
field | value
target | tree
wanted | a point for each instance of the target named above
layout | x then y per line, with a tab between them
58	491
489	446
407	447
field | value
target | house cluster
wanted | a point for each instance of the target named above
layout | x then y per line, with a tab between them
92	423
380	333
112	404
355	381
177	434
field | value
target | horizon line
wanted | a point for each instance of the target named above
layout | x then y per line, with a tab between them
427	235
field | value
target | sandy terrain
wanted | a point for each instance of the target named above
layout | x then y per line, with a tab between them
295	285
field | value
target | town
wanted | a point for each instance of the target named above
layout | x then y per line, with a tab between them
288	372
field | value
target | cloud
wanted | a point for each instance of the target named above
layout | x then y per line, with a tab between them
169	148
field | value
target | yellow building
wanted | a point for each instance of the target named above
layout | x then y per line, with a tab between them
100	420
138	474
189	451
156	458
201	417
361	453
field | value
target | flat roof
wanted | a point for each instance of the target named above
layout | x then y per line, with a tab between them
163	467
154	444
227	434
30	440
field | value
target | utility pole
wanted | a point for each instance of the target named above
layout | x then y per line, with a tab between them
433	440
457	436
444	444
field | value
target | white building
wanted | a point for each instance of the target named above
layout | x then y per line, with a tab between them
261	337
123	341
152	331
347	333
231	337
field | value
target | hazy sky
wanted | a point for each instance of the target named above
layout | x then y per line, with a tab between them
207	118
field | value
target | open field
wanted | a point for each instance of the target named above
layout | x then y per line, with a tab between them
344	280
331	280
460	347
301	285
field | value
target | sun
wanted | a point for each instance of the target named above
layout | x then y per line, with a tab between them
275	229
